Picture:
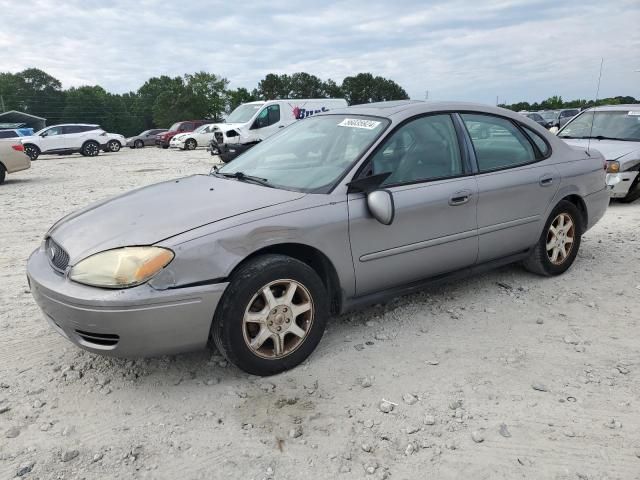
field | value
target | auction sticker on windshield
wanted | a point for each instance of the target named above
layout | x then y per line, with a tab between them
359	123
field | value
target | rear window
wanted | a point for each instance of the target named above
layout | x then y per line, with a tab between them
542	145
8	134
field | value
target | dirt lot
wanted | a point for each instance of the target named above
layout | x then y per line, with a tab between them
505	375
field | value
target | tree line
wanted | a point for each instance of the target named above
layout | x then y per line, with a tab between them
163	100
556	103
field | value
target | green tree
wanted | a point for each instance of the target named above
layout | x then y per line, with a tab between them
331	89
274	86
304	85
238	97
85	105
365	88
208	92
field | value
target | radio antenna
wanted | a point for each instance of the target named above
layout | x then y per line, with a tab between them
595	104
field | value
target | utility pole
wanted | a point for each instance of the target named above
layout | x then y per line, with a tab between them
426	94
1	103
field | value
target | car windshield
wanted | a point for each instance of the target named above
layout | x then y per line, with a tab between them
310	155
175	127
243	113
201	128
619	125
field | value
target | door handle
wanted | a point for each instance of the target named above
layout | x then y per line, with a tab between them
460	198
546	180
281	126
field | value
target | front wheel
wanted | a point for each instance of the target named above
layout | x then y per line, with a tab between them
90	149
559	242
190	144
114	146
138	144
272	315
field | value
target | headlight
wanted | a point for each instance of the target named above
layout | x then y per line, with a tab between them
121	267
613	166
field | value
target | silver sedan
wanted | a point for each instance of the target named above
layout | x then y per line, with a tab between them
614	131
334	212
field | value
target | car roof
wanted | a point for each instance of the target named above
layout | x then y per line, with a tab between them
615	108
398	110
74	124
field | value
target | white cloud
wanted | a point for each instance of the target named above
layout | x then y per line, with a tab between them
528	49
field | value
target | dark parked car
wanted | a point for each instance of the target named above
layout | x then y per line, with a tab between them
163	139
145	139
566	115
539	119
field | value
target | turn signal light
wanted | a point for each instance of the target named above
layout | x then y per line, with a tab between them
613	167
18	148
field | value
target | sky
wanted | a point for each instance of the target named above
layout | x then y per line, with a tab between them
455	50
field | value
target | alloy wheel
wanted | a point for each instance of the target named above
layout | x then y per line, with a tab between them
278	319
560	238
114	146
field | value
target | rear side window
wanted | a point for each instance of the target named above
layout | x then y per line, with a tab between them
73	129
538	140
497	142
8	134
274	114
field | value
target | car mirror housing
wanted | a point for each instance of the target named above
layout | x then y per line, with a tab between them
381	206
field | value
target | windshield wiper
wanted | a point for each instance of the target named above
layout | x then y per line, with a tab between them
245	178
602	137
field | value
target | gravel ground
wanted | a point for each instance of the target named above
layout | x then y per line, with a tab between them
503	375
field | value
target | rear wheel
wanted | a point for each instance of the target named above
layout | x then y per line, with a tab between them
90	149
272	315
114	146
138	144
559	242
32	151
2	173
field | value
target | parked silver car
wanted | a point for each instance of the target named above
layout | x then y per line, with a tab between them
145	139
614	131
334	212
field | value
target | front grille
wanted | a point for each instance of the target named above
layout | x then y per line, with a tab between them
101	339
58	258
219	137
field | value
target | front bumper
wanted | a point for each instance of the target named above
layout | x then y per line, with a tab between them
163	143
134	322
622	183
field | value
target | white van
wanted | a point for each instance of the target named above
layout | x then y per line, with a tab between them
255	121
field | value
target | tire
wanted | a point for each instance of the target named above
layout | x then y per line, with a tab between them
233	335
32	152
634	192
138	144
541	260
90	149
164	147
113	146
2	174
190	144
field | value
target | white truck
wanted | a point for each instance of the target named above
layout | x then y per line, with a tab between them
255	121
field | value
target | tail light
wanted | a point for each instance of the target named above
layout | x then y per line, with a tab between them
18	148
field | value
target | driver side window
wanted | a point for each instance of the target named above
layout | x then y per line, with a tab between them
268	116
52	131
423	149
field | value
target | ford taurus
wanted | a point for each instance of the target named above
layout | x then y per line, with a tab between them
334	212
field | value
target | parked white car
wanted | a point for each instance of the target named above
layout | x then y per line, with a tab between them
200	137
256	121
87	139
115	142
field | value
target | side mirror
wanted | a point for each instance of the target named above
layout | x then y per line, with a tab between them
44	134
380	203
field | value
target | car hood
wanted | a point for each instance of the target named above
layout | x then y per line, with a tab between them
610	149
150	214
